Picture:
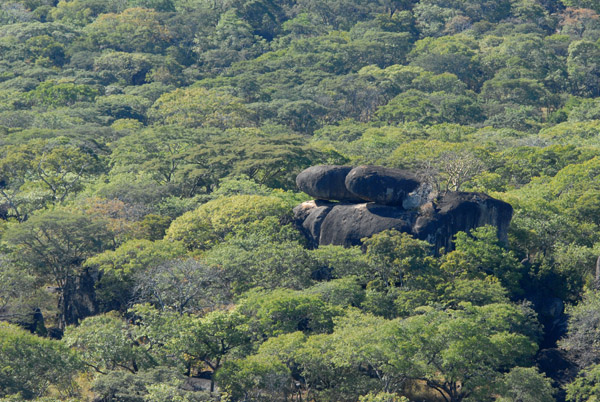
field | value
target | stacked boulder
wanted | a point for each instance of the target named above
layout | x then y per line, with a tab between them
354	203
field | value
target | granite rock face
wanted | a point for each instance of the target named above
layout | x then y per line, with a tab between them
381	185
309	217
413	211
346	224
460	212
326	183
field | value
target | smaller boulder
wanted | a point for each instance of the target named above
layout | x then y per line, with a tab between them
381	185
460	212
309	216
326	182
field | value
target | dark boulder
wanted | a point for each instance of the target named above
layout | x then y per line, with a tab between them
398	201
551	314
347	224
309	217
326	182
80	296
381	185
460	212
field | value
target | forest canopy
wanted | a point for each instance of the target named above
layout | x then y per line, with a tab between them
148	155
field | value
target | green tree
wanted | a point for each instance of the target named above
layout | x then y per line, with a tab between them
155	384
82	12
213	221
382	397
344	292
582	24
398	259
121	267
198	342
584	325
271	155
342	261
482	254
360	342
317	371
124	107
525	384
54	245
583	68
479	292
175	391
133	30
17	294
30	365
592	4
158	5
159	151
254	378
585	387
51	93
107	342
454	54
258	261
184	285
282	311
460	353
410	106
201	107
124	68
46	51
521	91
42	171
231	40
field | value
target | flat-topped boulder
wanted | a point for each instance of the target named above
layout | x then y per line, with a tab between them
326	182
381	185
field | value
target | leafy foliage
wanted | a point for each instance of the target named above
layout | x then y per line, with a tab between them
148	154
30	364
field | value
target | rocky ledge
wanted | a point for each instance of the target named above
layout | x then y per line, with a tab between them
353	203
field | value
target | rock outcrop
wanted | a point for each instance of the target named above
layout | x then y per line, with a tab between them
309	217
398	201
459	211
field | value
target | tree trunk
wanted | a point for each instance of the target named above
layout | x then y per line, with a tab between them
597	272
65	304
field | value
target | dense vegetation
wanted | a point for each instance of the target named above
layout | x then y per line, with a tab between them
148	150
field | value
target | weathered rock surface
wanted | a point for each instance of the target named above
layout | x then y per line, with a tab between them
311	214
346	224
460	211
381	185
551	315
397	201
80	296
326	183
